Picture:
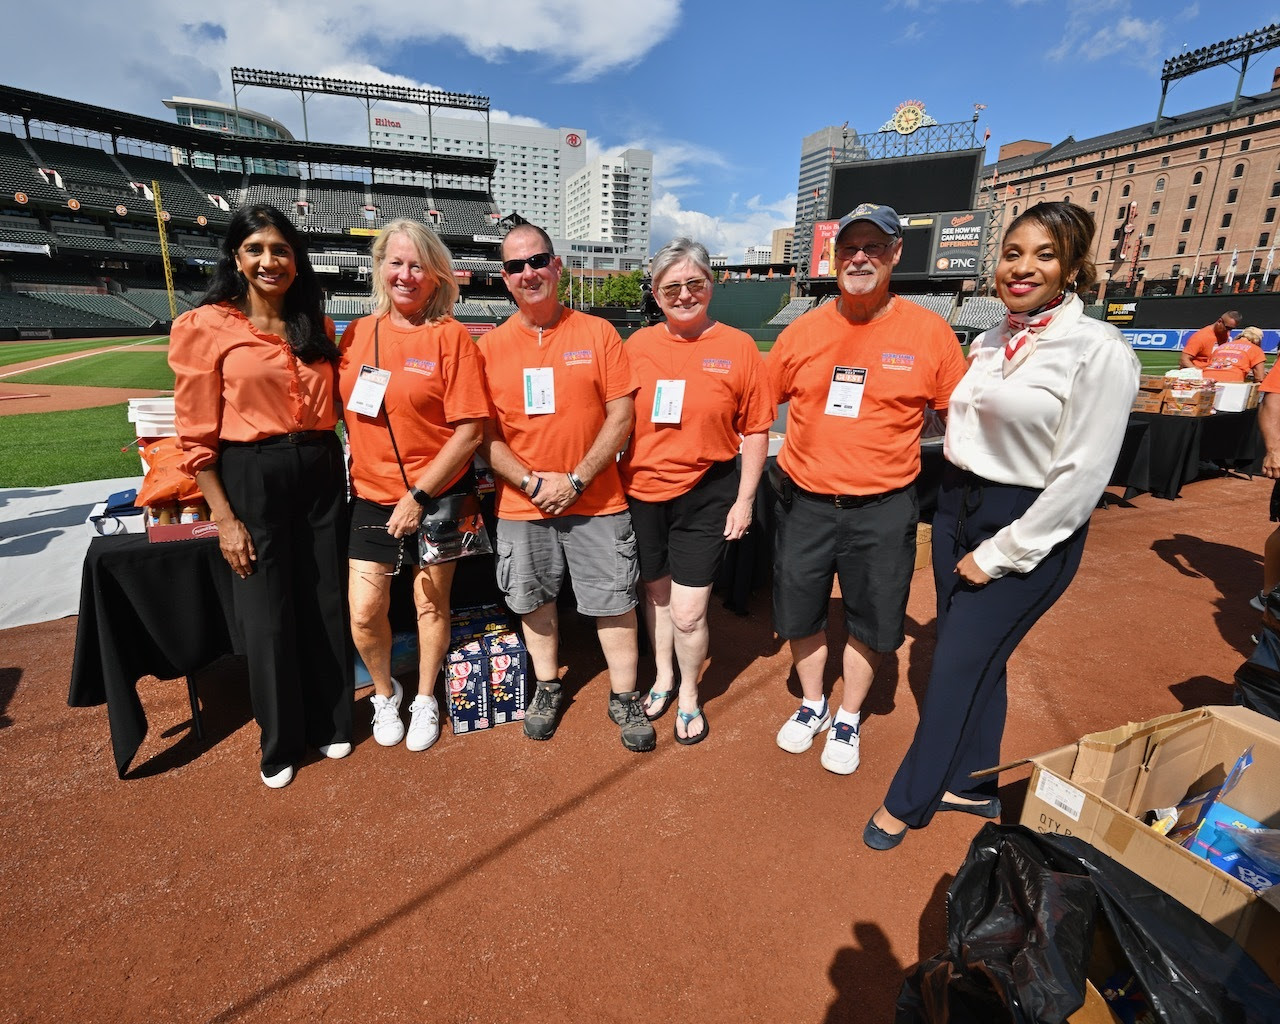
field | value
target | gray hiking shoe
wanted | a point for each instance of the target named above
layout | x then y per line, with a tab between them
637	731
543	713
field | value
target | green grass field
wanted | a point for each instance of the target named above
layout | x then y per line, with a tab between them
21	351
48	449
148	370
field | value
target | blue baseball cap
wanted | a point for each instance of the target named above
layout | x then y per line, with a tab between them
883	217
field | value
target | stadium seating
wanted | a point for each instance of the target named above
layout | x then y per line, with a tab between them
942	304
106	306
791	311
155	302
87	237
396	201
463	212
178	194
344	306
502	309
227	184
980	312
1097	310
462	308
21	310
279	190
334	206
18	172
91	176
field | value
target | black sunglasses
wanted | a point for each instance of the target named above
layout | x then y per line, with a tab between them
537	261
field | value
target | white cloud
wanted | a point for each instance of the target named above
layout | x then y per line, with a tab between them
730	234
1096	30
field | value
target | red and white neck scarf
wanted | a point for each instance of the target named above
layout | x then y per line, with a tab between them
1023	328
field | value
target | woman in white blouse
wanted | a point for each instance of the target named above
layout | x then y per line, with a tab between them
1033	432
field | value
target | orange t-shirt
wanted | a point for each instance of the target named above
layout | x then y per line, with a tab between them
907	359
1233	361
233	382
437	379
1200	346
726	395
589	368
1271	382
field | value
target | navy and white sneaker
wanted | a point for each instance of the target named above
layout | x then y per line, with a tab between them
797	732
840	755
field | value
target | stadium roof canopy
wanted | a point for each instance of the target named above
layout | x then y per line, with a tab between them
34	106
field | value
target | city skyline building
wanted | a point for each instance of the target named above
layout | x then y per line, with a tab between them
610	200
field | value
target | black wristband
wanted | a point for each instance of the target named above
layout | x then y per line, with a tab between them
420	496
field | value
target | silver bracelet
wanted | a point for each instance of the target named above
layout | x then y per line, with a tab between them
524	484
576	482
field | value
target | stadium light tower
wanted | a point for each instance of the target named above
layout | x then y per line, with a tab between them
1228	51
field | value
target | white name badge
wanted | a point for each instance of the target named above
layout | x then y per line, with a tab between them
668	401
845	395
539	390
371	387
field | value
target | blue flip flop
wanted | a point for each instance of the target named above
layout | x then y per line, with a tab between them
662	695
687	717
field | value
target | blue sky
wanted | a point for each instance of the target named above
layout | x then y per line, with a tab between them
722	93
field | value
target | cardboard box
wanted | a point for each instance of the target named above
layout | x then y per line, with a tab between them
466	681
1097	787
1148	401
180	531
478	620
508	676
1255	397
1195	402
924	545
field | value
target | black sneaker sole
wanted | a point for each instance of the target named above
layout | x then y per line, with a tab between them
540	739
640	748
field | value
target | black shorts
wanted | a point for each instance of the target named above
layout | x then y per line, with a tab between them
1275	502
370	541
684	538
872	548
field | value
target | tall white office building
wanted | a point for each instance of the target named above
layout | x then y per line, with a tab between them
611	200
533	164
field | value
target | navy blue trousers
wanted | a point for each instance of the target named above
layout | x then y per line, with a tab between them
963	714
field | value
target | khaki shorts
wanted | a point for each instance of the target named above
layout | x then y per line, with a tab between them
598	551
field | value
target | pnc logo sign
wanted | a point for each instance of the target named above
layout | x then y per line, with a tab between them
957	263
573	139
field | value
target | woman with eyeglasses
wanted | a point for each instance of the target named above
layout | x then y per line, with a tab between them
1033	432
255	391
703	396
414	401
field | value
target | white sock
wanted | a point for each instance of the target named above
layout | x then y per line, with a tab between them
848	717
816	706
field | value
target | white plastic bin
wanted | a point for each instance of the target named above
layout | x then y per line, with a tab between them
152	419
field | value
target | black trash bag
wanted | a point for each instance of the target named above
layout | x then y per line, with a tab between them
1258	679
1021	916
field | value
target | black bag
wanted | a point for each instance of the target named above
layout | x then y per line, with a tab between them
1023	918
452	527
1258	679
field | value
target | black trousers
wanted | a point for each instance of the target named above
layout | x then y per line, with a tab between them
292	610
962	718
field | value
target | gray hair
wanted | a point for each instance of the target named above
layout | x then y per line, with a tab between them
678	250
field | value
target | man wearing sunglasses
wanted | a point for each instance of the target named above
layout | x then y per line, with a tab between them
1199	347
858	374
563	397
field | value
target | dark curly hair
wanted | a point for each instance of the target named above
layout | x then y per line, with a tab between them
304	301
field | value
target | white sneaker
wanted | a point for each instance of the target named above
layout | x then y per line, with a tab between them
335	750
388	730
424	722
280	779
840	754
797	732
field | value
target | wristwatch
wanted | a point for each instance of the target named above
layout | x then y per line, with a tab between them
420	496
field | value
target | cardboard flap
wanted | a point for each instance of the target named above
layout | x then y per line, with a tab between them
1173	764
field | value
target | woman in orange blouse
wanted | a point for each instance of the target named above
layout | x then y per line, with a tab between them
412	436
255	370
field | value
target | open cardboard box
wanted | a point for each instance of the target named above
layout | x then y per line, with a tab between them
1097	788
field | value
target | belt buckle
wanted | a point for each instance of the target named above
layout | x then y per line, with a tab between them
844	500
294	438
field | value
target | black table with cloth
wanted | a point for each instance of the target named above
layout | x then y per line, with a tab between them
1173	448
146	610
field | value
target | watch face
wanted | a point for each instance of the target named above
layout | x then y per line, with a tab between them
907	120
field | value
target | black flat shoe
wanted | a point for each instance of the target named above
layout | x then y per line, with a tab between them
878	839
988	808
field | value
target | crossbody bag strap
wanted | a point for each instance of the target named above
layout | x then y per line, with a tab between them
386	411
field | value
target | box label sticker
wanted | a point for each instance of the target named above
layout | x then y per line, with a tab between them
1062	795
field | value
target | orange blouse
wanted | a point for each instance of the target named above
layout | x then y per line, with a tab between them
234	382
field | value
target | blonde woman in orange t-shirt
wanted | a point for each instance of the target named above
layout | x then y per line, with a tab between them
703	394
412	387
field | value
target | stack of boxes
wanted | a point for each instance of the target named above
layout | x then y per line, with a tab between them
486	670
1175	397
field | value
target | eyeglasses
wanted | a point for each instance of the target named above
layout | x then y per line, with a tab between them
874	250
696	287
537	261
399	551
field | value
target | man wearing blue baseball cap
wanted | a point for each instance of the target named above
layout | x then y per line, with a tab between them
858	374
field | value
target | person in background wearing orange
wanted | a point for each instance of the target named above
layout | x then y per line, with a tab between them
413	425
1238	359
1199	347
859	374
703	395
1269	425
255	391
563	405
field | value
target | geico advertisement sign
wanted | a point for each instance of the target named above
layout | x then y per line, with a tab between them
1153	339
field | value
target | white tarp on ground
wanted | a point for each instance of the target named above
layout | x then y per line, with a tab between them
43	539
